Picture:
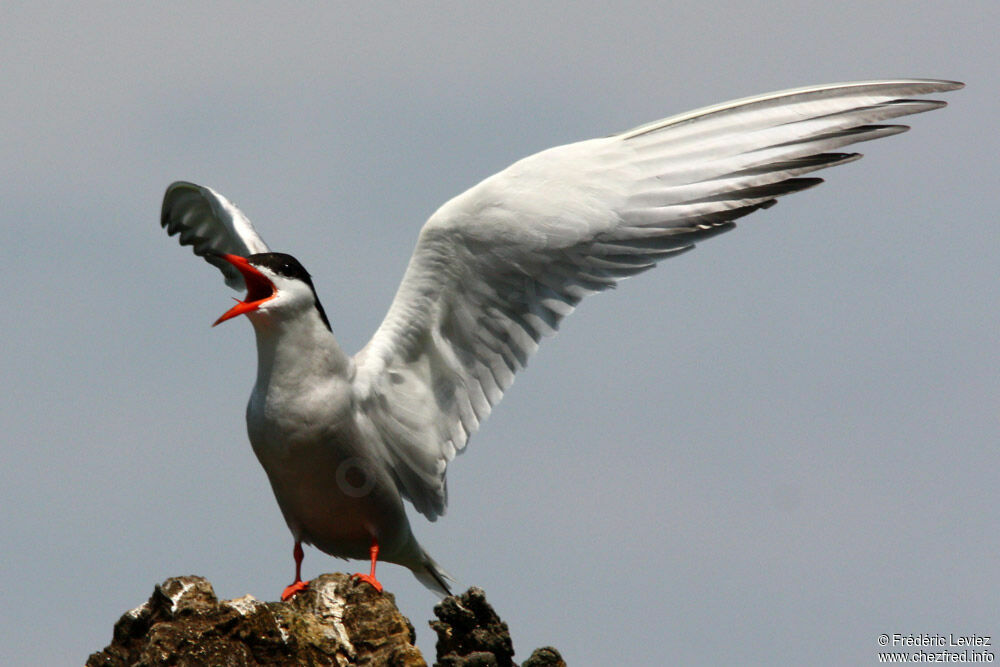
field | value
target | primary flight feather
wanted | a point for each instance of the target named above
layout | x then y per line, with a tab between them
343	439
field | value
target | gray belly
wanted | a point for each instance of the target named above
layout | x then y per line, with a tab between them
334	496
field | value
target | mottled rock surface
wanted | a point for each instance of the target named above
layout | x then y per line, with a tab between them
471	634
336	621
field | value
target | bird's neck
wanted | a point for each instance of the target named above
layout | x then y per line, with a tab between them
298	350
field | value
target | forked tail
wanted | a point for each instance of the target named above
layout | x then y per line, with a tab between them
431	575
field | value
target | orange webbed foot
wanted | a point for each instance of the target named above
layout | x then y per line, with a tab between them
369	579
293	589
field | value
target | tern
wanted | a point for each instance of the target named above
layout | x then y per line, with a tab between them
344	439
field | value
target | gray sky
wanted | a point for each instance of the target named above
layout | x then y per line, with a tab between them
772	449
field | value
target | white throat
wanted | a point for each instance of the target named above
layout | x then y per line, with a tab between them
296	350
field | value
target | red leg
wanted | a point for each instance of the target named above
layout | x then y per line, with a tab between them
370	578
298	585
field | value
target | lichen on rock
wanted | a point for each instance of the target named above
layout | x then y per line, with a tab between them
337	620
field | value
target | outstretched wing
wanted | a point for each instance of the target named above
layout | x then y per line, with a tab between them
498	267
211	224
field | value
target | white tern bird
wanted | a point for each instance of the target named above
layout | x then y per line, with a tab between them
344	439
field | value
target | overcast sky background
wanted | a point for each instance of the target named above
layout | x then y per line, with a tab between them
772	449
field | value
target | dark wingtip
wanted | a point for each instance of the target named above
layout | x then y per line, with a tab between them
440	580
951	85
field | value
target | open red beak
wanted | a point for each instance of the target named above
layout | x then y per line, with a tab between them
259	289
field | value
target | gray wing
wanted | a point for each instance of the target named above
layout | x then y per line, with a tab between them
211	224
498	267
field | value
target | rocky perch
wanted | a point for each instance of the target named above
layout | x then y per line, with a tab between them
336	621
